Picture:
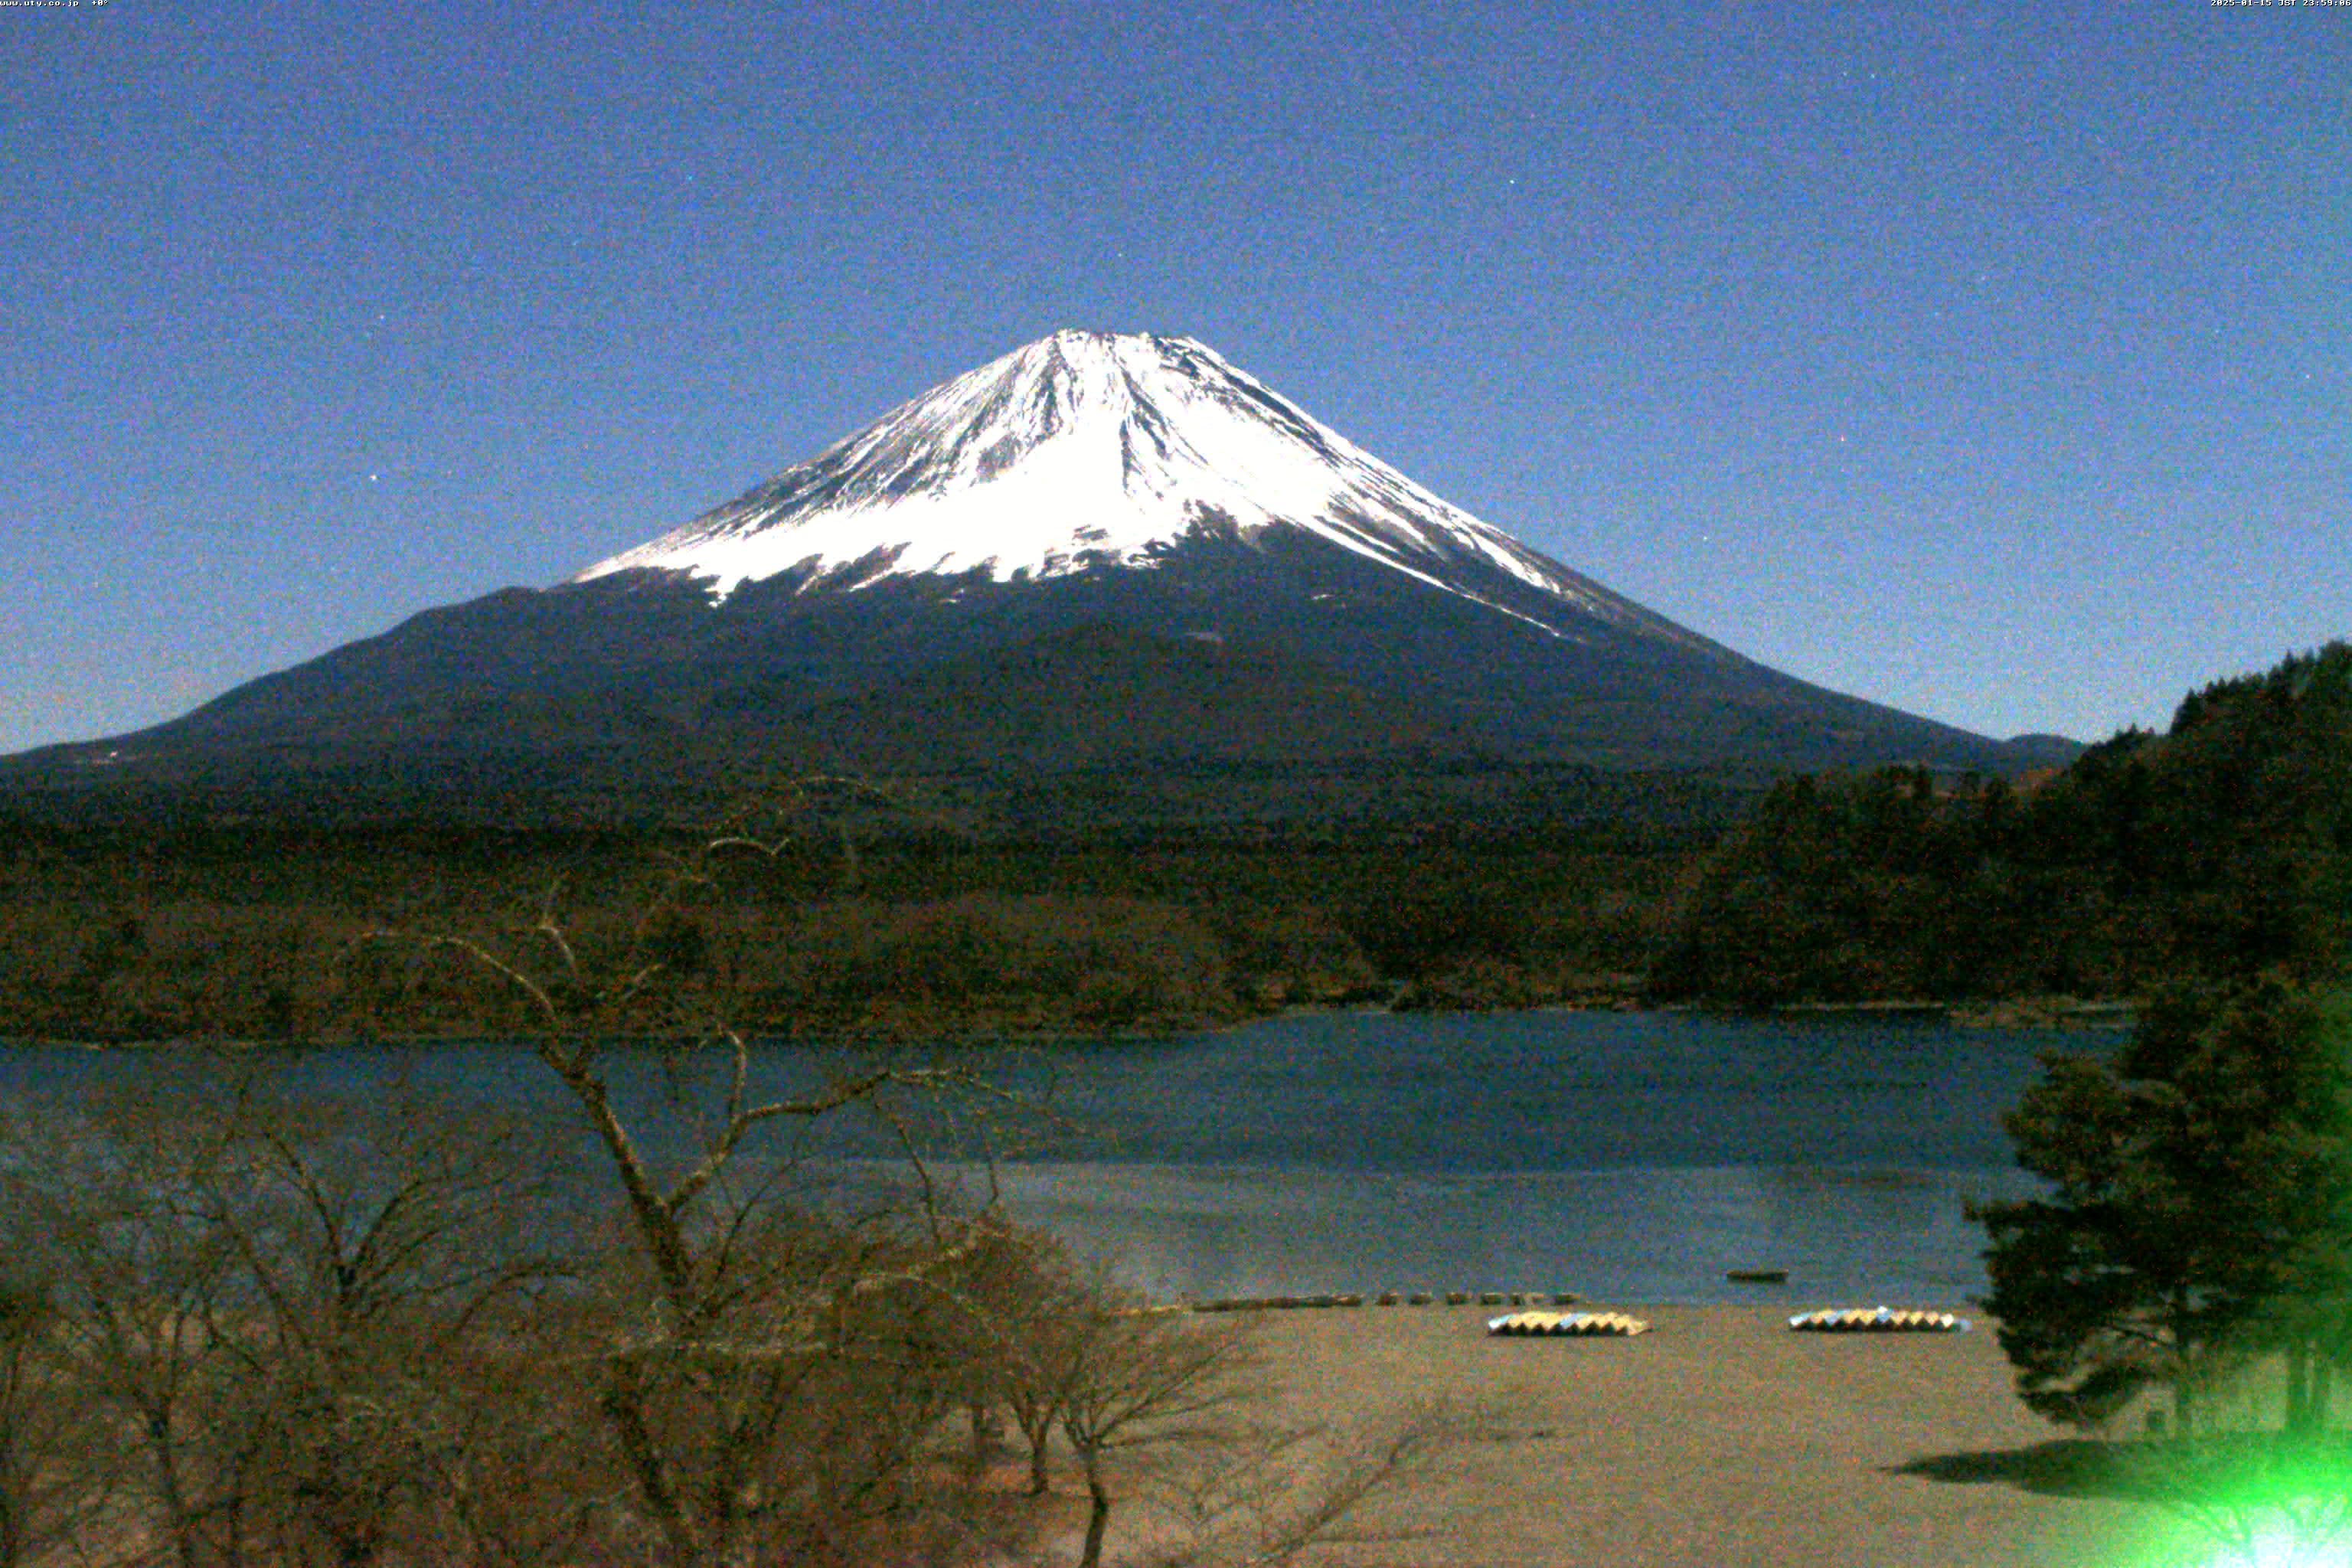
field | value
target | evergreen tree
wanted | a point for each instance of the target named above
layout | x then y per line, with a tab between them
2200	1181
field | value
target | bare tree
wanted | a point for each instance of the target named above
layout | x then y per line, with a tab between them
373	1251
1127	1377
1010	1298
1149	1396
758	1378
104	1212
50	1493
266	1300
1264	1494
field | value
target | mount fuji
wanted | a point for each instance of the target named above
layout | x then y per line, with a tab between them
1096	551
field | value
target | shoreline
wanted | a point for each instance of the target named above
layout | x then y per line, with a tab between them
2022	1012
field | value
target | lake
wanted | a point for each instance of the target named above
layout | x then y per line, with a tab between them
1628	1157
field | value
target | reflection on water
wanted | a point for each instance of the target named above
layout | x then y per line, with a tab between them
1627	1236
1634	1157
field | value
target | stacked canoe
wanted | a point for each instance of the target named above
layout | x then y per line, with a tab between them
1576	1324
1878	1321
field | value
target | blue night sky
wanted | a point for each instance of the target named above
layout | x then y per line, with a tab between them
1988	362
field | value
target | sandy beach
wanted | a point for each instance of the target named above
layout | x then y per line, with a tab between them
1718	1438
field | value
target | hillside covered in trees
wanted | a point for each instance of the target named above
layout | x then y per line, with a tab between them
261	930
2222	847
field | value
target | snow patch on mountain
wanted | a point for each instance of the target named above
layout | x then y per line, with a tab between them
1088	450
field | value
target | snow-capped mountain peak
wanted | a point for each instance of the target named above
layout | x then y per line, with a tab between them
1089	450
1098	553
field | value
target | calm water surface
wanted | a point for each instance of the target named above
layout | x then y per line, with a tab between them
1634	1157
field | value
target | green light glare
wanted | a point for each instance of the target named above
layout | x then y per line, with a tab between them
2225	1501
2285	1543
2237	1542
2271	1508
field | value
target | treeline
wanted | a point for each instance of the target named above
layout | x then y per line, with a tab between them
195	928
2223	847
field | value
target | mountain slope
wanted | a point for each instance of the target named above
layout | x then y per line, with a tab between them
1103	695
